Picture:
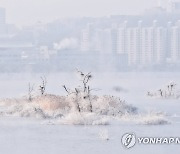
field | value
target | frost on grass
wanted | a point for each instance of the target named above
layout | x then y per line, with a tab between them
152	118
61	110
79	107
146	118
53	106
169	91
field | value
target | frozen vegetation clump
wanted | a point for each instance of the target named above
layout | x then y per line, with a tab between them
82	100
63	108
43	107
78	107
169	91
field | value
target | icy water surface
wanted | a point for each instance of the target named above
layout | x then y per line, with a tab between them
32	136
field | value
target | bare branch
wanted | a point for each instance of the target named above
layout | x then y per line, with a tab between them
66	89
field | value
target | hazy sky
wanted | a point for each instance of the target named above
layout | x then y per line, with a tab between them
23	12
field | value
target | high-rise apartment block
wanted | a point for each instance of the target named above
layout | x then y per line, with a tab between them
143	45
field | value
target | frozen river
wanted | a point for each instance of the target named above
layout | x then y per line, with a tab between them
32	136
